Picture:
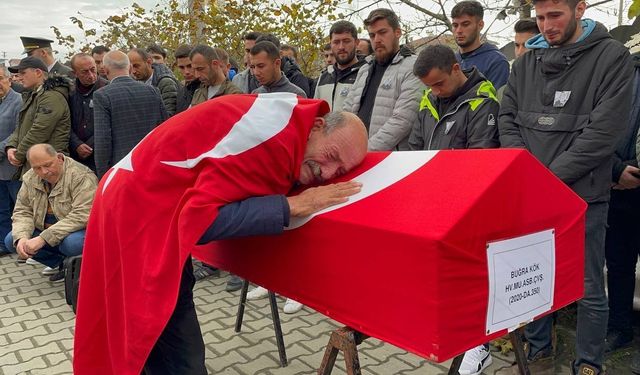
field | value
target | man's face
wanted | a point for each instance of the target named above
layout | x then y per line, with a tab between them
31	78
85	70
203	70
331	155
5	83
248	44
140	69
442	84
518	42
156	58
363	48
287	53
466	29
264	69
557	21
98	57
343	48
329	58
48	168
185	68
38	52
385	40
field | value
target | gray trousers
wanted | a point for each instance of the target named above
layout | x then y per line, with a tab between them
593	310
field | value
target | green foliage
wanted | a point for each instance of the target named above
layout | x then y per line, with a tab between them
219	24
634	9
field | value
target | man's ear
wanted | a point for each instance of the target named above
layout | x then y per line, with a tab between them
481	24
318	124
580	9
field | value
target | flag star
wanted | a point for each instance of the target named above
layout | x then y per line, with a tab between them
125	164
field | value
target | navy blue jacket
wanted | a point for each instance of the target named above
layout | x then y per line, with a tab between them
489	61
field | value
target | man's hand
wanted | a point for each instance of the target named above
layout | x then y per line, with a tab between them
21	250
11	155
318	198
628	179
33	245
84	151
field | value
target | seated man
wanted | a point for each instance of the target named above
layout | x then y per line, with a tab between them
52	209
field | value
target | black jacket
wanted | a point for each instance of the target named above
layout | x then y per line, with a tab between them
185	94
570	106
81	107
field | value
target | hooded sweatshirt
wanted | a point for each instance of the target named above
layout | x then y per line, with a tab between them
489	61
570	107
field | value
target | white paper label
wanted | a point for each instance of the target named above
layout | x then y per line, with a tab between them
521	279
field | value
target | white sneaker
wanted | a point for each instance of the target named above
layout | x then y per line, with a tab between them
48	271
257	293
475	360
291	306
32	262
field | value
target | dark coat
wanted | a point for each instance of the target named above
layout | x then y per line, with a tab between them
125	111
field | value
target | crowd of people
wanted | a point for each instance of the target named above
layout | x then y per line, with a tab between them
570	98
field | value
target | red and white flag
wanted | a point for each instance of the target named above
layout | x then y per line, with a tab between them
154	205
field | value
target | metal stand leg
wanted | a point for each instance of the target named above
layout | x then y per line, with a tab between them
346	340
276	326
518	349
455	366
243	301
275	317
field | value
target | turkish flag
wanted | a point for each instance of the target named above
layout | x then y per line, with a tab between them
154	205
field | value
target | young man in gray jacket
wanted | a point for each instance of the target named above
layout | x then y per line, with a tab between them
567	101
386	94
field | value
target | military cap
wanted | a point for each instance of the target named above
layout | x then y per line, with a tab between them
30	43
29	62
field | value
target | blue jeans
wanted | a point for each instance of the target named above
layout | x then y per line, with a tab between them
8	193
593	309
52	256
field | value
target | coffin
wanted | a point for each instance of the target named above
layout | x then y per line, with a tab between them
407	259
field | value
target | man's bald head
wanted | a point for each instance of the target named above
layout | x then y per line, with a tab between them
46	162
337	144
116	64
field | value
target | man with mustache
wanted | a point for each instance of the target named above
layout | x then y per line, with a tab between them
334	83
568	102
386	94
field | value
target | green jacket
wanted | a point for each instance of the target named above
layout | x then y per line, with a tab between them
71	199
226	88
44	118
469	122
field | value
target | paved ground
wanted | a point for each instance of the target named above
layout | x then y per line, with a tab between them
36	333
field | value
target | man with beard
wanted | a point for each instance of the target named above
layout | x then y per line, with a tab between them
81	106
572	125
209	68
466	20
335	82
386	94
98	53
143	69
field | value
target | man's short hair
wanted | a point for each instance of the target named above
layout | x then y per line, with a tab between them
47	148
469	8
266	46
526	25
116	64
142	53
154	48
333	121
207	52
182	51
222	54
251	35
380	14
342	27
99	50
327	47
286	47
77	56
370	51
269	38
435	56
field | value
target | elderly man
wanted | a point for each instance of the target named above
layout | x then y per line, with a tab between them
125	111
197	178
10	103
81	106
52	209
44	117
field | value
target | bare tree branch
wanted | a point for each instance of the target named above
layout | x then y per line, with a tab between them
598	3
441	17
